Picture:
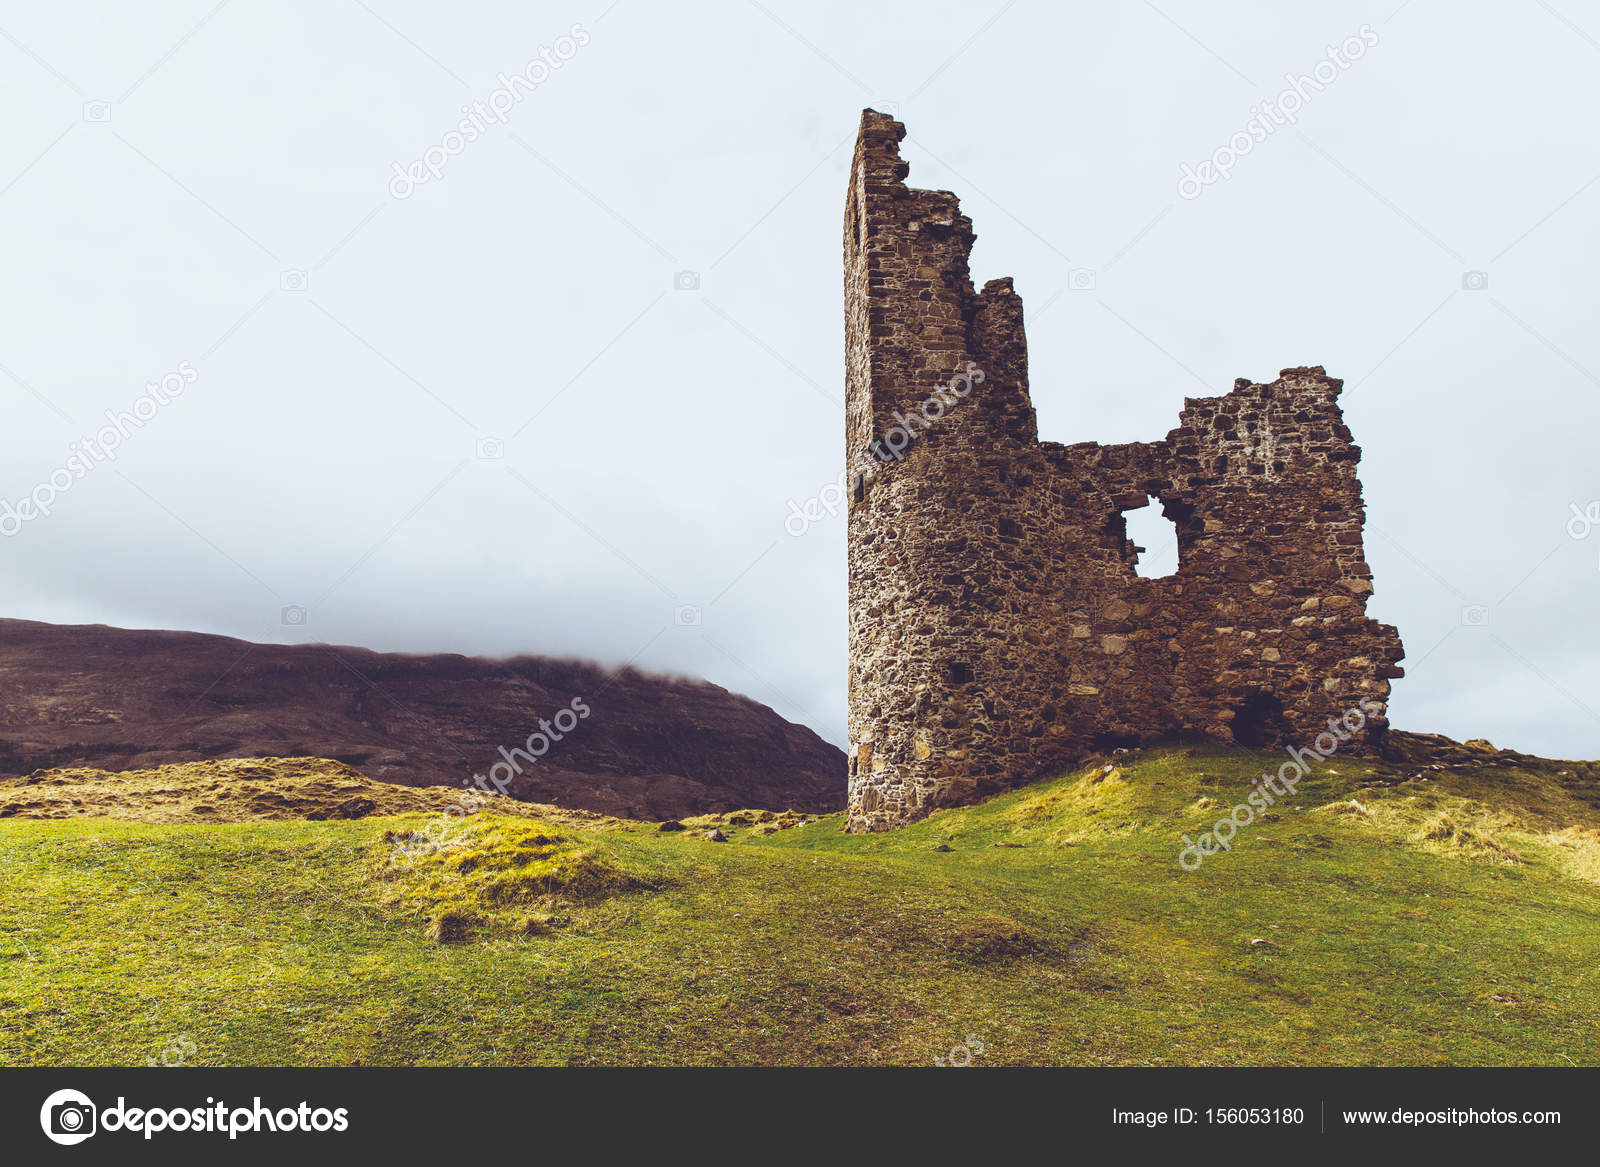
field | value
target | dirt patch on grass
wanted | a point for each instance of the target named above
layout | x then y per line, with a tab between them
991	939
452	927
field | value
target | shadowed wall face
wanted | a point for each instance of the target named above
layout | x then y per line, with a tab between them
998	627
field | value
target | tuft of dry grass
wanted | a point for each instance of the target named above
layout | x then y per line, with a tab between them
1442	828
1438	822
1575	851
235	790
504	874
1347	806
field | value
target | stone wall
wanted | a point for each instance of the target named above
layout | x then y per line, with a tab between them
998	628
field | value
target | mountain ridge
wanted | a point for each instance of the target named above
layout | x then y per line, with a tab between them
652	746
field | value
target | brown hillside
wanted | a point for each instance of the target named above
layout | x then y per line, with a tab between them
652	747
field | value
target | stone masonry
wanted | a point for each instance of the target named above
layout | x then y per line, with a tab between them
998	629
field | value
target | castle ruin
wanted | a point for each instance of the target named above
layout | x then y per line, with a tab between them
999	631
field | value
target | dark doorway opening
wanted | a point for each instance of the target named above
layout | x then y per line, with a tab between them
1258	721
1104	743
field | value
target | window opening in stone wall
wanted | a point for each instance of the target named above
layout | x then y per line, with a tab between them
1157	539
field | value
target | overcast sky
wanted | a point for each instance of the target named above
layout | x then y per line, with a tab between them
486	418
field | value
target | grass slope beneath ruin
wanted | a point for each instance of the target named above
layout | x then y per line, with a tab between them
1453	918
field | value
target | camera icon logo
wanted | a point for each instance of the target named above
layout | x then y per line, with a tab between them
961	1055
97	111
294	280
686	281
1475	616
294	616
490	449
68	1117
1474	281
178	1051
1081	279
686	616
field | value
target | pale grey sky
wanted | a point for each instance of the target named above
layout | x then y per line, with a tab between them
211	184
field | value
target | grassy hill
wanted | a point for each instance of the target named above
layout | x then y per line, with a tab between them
1414	913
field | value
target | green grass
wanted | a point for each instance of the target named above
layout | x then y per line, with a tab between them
1449	920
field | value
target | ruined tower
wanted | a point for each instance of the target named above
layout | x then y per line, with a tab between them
998	628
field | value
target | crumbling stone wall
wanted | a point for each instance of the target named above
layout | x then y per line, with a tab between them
998	628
